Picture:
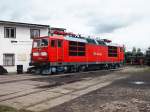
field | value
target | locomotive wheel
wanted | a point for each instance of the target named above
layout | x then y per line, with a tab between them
54	70
115	66
106	66
109	66
38	71
46	72
118	65
77	69
82	68
66	69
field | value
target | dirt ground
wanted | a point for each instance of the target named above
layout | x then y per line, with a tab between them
124	90
125	95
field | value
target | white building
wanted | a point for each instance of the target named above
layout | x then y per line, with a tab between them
16	43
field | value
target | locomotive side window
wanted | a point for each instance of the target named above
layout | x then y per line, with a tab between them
72	43
81	53
73	53
56	43
112	51
52	43
59	43
72	48
81	49
76	48
81	44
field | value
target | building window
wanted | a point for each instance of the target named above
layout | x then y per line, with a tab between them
10	32
34	33
8	59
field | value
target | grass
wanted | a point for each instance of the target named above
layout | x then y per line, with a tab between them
11	109
7	109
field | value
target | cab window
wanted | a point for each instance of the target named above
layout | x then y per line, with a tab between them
56	43
36	43
44	42
59	43
53	43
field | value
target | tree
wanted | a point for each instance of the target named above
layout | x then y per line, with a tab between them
147	57
138	50
134	51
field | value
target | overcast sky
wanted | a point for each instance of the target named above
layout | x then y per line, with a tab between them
123	21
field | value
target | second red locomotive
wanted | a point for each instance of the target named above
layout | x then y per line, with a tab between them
67	52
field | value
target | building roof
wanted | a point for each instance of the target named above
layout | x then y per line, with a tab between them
58	29
24	24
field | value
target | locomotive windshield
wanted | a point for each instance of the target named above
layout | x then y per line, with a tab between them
40	43
44	42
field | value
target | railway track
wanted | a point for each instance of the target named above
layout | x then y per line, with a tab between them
19	93
16	78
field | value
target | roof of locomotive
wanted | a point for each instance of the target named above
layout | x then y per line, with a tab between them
83	39
62	34
114	44
72	38
91	41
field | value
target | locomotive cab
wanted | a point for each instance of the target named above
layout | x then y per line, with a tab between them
46	50
47	54
40	50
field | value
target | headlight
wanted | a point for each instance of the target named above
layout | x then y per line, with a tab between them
35	54
43	53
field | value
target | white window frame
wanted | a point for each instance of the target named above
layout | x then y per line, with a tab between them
9	35
5	59
31	32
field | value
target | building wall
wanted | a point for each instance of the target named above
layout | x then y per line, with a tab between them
21	49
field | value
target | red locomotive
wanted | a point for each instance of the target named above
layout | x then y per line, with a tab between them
67	52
